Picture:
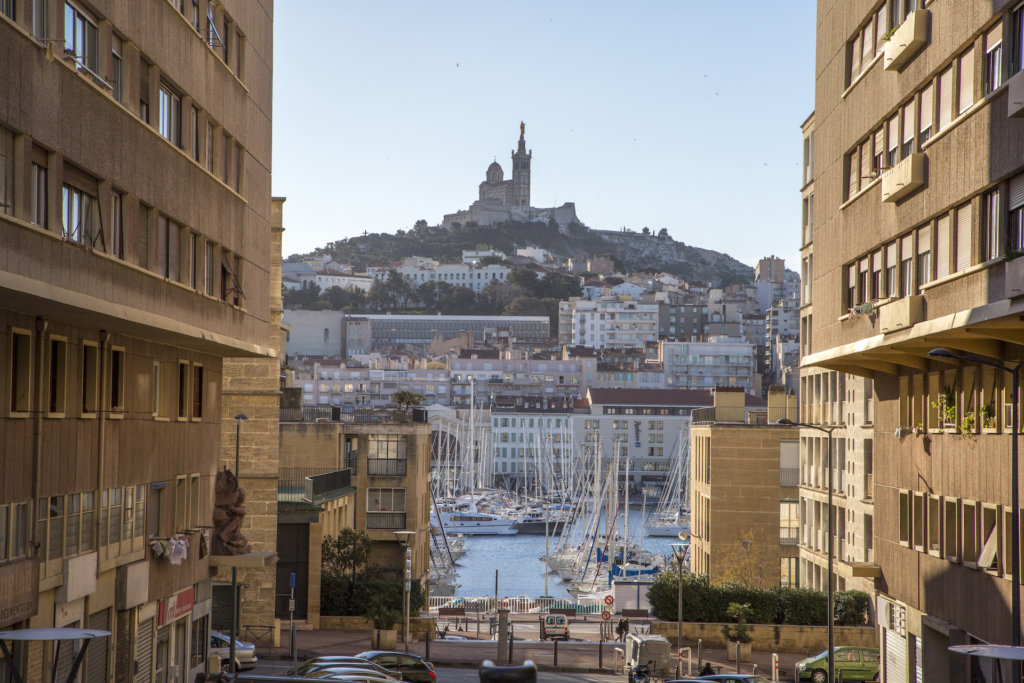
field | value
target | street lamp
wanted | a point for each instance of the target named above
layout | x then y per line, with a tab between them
234	570
831	621
1014	479
679	552
404	537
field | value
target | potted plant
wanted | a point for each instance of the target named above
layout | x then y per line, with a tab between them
946	405
988	417
384	618
969	422
738	633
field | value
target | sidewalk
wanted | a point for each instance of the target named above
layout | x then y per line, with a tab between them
577	655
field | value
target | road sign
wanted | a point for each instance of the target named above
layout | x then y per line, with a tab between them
608	599
606	615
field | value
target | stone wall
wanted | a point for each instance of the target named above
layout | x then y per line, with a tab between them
771	637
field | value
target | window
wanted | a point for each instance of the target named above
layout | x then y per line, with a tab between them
194	500
893	153
965	94
209	146
168	247
990	204
116	70
183	390
892	283
386	455
110	516
195	133
876	275
40	18
924	256
907	265
170	115
993	58
904	520
1017	40
117	379
964	233
212	34
907	146
196	17
227	146
81	39
50	528
385	509
39	195
942	247
57	377
900	10
210	270
927	98
878	160
163	384
144	67
21	371
945	100
6	172
79	216
90	370
1016	218
180	504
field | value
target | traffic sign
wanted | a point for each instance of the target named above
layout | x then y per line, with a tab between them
608	600
606	615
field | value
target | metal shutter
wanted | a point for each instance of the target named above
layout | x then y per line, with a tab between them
99	648
891	255
964	236
895	657
144	651
942	247
927	97
908	122
994	37
924	240
966	81
894	134
1016	192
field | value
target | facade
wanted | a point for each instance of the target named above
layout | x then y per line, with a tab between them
418	270
504	376
743	495
916	238
328	382
135	217
531	442
706	365
607	322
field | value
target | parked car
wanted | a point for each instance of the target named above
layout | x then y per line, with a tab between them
414	669
328	661
735	678
245	653
652	650
341	671
853	663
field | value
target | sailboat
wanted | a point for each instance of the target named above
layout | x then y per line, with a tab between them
671	515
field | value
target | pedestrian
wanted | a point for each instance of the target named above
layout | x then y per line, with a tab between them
625	629
619	631
707	670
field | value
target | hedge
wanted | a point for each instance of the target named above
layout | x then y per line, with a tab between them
703	602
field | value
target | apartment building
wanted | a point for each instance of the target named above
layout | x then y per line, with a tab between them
419	270
531	443
135	218
918	188
705	365
607	321
743	493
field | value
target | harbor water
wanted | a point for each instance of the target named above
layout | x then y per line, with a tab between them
518	559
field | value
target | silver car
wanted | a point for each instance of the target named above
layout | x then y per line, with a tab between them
245	653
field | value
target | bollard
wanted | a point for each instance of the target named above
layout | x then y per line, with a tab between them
700	653
511	640
600	653
430	637
737	656
775	667
556	654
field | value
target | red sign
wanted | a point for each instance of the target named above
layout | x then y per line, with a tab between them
608	599
175	606
606	615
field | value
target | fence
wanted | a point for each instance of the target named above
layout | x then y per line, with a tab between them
516	605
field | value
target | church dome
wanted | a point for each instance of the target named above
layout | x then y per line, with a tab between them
494	173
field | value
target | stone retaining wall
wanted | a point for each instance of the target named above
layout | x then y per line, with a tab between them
771	637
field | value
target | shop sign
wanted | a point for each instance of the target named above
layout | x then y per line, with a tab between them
175	606
19	586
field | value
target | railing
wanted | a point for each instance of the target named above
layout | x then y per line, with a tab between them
328	486
789	536
361	415
291	482
519	605
789	476
385	467
741	415
385	520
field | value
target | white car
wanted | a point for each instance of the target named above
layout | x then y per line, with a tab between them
245	653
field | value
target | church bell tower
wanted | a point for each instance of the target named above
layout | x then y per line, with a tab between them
521	170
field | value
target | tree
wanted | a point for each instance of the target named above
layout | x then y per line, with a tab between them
421	224
431	293
524	279
496	296
738	632
744	561
303	297
350	300
646	230
528	305
406	397
611	280
663	233
559	286
344	553
458	300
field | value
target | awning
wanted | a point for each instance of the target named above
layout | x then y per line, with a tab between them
59	635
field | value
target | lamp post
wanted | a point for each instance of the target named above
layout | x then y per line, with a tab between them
404	537
234	570
831	620
679	552
1014	481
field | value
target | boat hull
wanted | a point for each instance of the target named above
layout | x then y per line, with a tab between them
535	527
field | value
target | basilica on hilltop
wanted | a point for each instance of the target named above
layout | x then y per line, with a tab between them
509	200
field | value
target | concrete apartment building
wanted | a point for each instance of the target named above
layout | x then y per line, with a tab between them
705	365
135	217
919	188
743	495
531	442
607	321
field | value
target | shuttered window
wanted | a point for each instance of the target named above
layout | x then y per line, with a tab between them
927	98
908	129
879	150
924	253
854	171
876	275
994	58
942	247
862	282
851	286
964	236
881	25
990	208
966	94
891	269
144	651
907	265
865	162
945	103
894	141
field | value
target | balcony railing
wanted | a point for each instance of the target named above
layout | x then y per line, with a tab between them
386	467
291	482
359	415
789	476
385	520
742	415
789	536
328	486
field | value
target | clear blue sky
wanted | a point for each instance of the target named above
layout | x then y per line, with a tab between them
676	113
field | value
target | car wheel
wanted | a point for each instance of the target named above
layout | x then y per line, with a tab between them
225	666
819	676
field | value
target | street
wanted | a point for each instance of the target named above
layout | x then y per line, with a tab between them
460	675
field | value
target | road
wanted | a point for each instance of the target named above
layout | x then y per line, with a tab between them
464	675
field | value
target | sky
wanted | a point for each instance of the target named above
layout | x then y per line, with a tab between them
671	113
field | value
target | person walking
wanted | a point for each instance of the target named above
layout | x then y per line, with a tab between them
619	631
625	629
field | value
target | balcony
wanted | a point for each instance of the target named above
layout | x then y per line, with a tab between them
903	178
386	467
385	520
789	476
789	536
907	40
1014	272
312	484
1015	101
900	314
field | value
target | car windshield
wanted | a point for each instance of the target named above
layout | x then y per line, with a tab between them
819	655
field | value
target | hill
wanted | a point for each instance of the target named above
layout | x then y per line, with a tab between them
635	250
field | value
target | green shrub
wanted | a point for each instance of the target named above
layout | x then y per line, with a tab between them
703	602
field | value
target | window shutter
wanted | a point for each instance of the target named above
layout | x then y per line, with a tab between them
994	37
1016	192
876	261
881	26
964	235
927	95
890	254
924	240
908	122
855	57
894	132
966	81
865	162
879	141
907	246
942	247
854	173
945	98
